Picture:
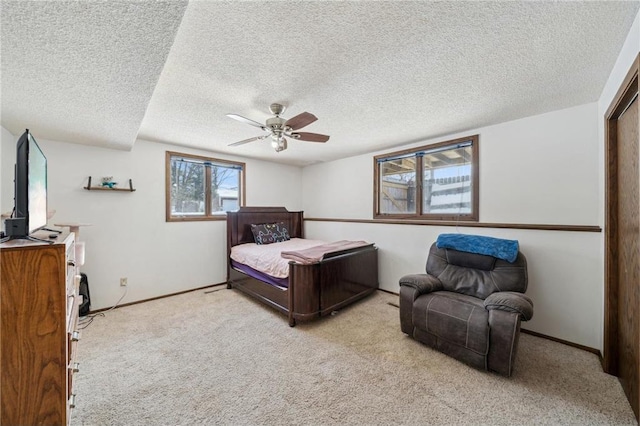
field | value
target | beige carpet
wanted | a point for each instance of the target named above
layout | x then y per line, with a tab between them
221	358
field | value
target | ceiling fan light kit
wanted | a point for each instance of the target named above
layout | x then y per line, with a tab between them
279	144
279	129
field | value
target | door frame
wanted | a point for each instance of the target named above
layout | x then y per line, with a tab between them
623	98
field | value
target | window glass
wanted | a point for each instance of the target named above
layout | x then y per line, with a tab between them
433	182
447	181
187	188
201	188
398	186
225	189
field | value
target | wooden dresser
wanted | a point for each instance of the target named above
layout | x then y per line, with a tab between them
39	331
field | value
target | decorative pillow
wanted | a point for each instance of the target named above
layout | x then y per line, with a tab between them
267	233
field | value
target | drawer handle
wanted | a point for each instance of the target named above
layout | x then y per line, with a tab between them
72	401
75	336
71	263
76	367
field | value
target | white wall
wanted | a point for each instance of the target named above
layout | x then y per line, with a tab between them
7	160
628	54
129	236
540	170
536	170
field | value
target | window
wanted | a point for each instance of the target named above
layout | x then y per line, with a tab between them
433	182
201	188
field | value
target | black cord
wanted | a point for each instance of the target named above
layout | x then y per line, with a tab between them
91	317
86	320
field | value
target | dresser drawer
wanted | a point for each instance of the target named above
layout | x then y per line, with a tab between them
73	302
72	280
73	335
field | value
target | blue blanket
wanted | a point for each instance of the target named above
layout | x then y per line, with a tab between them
496	247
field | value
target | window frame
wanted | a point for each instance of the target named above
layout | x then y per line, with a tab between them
208	214
473	216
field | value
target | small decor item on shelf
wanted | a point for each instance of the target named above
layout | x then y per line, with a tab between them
108	182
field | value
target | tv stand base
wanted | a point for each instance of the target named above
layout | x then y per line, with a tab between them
26	237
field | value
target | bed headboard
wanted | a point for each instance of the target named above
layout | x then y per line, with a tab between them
239	223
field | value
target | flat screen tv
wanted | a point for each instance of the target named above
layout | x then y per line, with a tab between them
30	196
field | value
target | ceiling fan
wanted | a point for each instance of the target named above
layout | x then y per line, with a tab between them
279	129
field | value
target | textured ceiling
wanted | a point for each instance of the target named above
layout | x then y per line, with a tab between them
376	74
81	71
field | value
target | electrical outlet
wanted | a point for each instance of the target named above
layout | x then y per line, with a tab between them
123	282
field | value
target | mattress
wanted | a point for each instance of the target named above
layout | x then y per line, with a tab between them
266	258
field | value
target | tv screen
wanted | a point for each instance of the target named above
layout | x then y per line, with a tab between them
30	189
37	187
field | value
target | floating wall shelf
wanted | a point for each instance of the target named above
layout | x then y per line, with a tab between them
106	188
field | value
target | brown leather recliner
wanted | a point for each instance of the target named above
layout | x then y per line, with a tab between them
468	306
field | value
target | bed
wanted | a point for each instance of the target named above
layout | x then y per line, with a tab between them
311	290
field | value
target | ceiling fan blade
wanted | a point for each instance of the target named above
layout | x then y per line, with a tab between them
310	137
300	120
242	142
246	120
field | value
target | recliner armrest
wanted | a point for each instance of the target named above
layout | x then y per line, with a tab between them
423	283
511	302
411	287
